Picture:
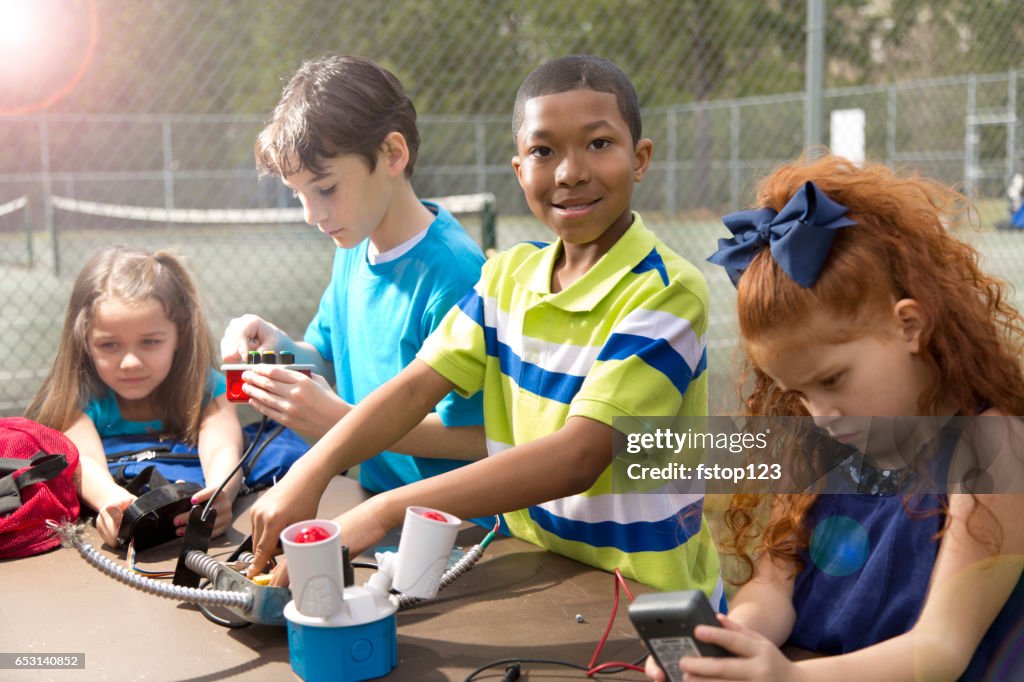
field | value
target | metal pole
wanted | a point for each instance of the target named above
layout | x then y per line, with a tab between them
815	84
734	156
168	164
1011	127
672	165
481	157
28	235
890	126
970	137
489	227
51	228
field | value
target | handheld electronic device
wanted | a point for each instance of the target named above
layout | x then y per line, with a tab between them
666	621
233	372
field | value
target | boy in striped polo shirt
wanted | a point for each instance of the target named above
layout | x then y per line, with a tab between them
604	322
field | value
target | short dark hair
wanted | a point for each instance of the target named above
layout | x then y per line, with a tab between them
332	106
580	72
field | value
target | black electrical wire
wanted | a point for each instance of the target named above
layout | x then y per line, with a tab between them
241	461
515	662
209	615
214	618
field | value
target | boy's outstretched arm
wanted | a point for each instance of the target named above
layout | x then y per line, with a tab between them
561	464
310	407
382	418
432	439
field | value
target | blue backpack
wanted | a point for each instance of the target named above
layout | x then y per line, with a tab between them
273	454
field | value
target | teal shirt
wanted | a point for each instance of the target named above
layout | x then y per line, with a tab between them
106	415
374	318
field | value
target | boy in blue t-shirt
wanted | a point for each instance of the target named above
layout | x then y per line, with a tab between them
343	138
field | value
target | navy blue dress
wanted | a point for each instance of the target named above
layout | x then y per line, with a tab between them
867	570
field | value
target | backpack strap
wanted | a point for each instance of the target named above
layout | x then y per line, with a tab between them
149	478
44	467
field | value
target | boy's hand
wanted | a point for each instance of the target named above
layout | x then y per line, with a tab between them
222	505
364	525
303	404
108	521
279	576
250	332
288	502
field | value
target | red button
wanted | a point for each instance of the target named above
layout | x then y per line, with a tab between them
310	534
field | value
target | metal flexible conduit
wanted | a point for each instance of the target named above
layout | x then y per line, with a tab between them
467	561
203	564
69	535
208	567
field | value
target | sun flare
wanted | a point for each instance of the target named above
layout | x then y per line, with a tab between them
19	24
46	47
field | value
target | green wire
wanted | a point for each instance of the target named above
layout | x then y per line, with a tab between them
490	536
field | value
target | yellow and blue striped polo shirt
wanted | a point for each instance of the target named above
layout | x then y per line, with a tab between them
625	339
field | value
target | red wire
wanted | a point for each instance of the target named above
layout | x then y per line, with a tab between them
607	629
613	664
622	581
591	670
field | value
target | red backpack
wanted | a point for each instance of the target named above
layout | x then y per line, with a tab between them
37	470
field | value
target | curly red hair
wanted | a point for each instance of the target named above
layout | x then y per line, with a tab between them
901	247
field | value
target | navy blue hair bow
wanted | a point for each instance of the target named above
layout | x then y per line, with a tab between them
799	237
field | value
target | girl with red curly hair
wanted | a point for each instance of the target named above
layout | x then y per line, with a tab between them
856	304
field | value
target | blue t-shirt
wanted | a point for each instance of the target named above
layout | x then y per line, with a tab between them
373	319
106	415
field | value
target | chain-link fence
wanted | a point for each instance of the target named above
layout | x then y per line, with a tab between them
156	103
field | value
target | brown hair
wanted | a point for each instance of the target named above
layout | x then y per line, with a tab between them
133	276
334	106
901	247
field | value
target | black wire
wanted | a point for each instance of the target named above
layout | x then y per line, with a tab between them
209	615
223	622
546	661
241	461
365	564
214	618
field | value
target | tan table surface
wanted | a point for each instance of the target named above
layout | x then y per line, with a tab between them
518	601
